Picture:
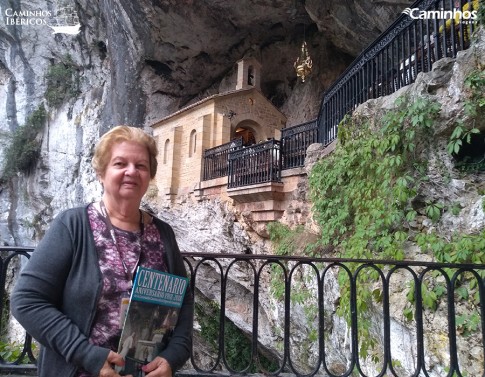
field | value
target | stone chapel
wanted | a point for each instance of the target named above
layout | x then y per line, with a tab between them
183	136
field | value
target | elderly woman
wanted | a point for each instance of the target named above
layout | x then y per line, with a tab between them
69	294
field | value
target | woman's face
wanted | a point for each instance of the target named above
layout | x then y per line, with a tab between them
127	174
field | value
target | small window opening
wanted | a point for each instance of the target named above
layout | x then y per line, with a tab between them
165	151
251	76
193	143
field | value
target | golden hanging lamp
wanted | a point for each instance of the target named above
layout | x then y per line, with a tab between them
303	64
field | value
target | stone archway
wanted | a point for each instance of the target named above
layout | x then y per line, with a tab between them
249	131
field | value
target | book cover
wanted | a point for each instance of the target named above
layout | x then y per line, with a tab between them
152	313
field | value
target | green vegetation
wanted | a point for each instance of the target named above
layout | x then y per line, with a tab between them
292	242
284	239
10	352
460	133
303	282
23	150
362	195
62	81
361	192
237	346
481	13
364	200
468	324
474	109
475	82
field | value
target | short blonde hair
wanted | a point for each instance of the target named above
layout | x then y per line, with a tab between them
119	134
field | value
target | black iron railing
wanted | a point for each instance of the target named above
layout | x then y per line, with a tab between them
258	163
10	265
294	143
216	163
409	46
303	336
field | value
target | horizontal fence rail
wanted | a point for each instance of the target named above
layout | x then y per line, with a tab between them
258	163
235	333
409	46
294	143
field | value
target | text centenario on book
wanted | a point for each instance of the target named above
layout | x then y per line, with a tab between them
151	316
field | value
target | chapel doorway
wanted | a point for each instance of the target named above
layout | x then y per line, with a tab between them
246	134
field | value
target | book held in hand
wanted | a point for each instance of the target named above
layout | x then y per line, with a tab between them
152	313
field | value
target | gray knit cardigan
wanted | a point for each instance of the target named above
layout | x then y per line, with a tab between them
56	296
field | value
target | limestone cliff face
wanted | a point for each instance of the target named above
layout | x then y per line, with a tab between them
136	62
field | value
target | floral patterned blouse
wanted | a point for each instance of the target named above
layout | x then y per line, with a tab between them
133	248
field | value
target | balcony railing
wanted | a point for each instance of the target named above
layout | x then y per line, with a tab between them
302	336
294	143
258	163
409	46
216	162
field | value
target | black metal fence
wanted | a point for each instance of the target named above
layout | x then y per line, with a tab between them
216	163
428	31
418	309
294	143
258	163
23	364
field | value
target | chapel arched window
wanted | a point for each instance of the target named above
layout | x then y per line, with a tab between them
193	143
165	151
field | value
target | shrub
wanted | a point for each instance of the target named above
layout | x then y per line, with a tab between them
24	149
62	82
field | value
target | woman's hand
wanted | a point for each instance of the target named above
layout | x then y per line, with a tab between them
112	359
158	367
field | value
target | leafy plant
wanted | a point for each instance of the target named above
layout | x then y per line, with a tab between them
475	81
460	248
237	345
362	200
433	211
284	241
289	241
361	194
474	105
481	13
468	324
460	133
22	152
455	209
10	352
62	82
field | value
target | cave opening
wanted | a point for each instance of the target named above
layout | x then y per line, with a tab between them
471	156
